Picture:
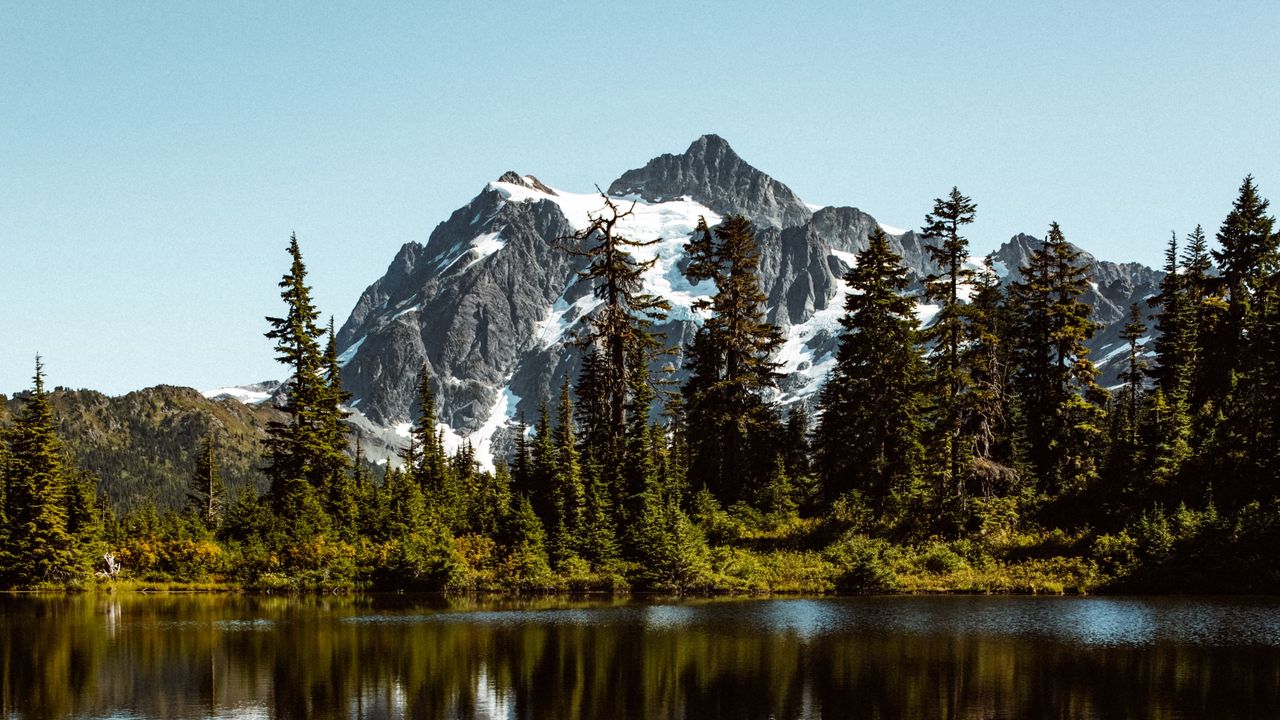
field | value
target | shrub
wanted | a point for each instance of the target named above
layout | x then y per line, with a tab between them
938	558
862	564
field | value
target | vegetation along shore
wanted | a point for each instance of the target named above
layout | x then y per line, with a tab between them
972	453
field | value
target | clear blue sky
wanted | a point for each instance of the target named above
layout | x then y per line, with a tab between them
154	157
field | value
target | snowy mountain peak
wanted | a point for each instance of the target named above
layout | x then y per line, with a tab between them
490	304
511	177
712	174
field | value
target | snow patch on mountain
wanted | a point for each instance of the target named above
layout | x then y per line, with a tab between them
666	226
248	394
350	353
482	246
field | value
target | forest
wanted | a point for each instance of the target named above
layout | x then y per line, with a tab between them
977	453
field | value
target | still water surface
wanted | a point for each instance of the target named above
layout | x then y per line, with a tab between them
431	657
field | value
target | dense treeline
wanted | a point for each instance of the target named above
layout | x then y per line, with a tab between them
976	452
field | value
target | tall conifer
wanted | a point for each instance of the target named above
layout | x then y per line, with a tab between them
868	435
950	332
730	421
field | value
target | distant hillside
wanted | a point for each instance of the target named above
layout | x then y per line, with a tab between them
144	444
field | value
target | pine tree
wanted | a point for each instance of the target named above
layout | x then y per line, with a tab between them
85	520
522	460
868	435
430	470
1058	397
1172	346
335	465
526	566
1166	428
1248	256
730	421
1134	373
1205	309
950	334
1243	448
206	496
987	360
299	449
544	469
796	459
41	548
622	324
569	492
5	532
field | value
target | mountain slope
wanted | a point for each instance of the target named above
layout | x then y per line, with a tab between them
144	444
490	302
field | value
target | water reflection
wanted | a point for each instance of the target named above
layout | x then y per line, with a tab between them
391	657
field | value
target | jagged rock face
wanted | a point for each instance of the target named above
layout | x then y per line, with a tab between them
490	304
712	174
1114	288
464	309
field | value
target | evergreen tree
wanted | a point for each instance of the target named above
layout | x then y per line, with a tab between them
544	470
950	334
569	492
335	465
622	324
1058	397
1248	255
1134	373
299	449
868	435
796	458
1172	345
526	566
85	520
41	549
206	496
430	470
1243	447
1205	309
987	361
730	421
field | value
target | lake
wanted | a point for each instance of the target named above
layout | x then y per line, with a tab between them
232	656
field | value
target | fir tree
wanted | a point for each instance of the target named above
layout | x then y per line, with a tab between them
299	449
1134	373
987	360
543	456
1248	255
569	492
950	333
622	324
730	422
431	465
1058	398
526	566
868	435
1172	344
1205	309
335	465
41	548
206	496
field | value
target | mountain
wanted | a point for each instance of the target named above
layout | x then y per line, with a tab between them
490	301
144	444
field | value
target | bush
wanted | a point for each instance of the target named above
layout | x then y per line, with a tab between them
938	558
862	564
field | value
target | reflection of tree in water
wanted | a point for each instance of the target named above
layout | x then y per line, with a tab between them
392	657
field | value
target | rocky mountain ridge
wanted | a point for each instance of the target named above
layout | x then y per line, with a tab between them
488	303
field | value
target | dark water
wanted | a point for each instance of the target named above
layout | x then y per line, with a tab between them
383	657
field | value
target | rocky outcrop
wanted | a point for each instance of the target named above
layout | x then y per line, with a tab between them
490	303
712	174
